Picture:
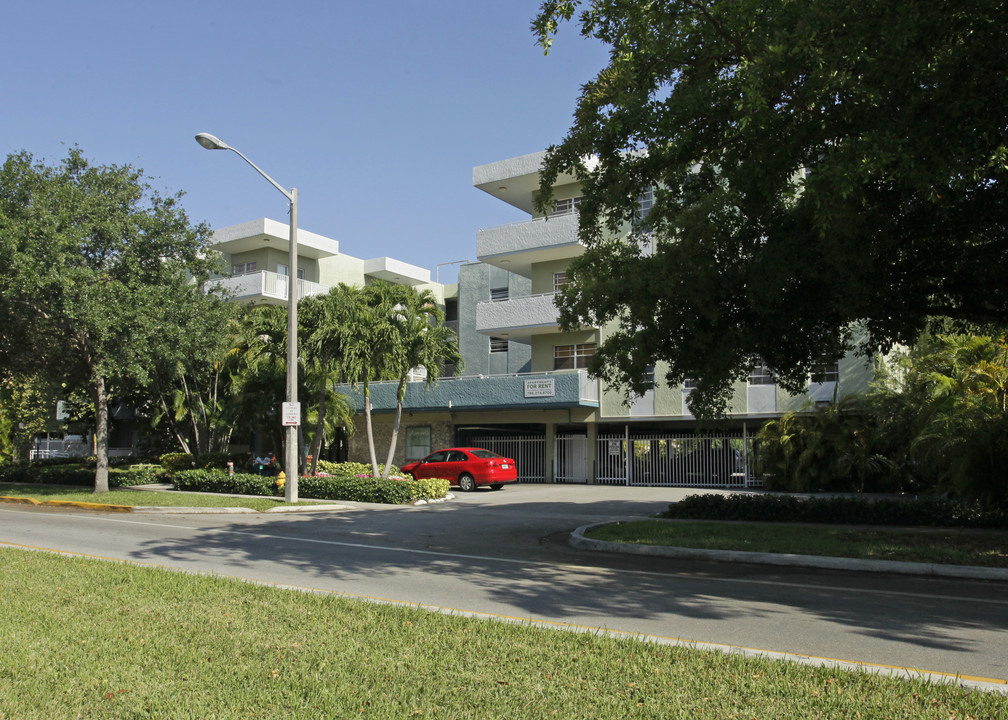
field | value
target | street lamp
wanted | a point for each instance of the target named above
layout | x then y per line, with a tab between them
291	412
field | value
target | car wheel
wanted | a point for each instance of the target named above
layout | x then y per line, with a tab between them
496	486
466	483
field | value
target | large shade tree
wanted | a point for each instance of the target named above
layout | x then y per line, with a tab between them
816	176
97	266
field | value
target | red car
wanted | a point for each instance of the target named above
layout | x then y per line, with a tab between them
466	467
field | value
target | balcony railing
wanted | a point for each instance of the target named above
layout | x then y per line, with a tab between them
529	313
564	388
268	285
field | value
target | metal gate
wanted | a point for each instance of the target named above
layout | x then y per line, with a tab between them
684	460
528	452
571	461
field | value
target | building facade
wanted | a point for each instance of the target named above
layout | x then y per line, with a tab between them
526	392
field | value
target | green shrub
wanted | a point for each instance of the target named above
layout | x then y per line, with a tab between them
927	512
218	481
174	462
62	474
349	469
370	489
137	474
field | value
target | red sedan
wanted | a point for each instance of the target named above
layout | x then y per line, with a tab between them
466	467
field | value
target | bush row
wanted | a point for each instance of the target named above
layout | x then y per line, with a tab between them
349	469
174	462
927	512
360	489
78	473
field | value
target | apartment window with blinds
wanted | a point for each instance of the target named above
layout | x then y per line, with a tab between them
571	357
243	268
498	294
498	345
649	376
559	281
689	384
565	207
826	372
761	375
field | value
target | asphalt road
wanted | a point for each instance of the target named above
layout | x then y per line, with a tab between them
505	554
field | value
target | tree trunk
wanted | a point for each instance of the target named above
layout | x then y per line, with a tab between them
370	432
101	436
400	394
319	430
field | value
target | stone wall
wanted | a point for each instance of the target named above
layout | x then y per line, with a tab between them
442	436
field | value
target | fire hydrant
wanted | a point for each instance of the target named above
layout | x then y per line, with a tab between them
281	481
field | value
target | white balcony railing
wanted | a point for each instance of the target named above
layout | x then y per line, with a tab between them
266	284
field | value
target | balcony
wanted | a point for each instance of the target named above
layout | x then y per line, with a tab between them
518	318
267	287
523	391
517	246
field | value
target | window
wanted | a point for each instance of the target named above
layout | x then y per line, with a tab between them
417	374
285	271
243	268
498	345
649	376
645	202
559	281
498	294
826	372
565	207
418	442
571	357
689	384
761	375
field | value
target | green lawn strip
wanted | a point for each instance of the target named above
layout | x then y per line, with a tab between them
137	497
97	639
986	548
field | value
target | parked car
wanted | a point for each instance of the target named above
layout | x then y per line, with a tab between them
466	467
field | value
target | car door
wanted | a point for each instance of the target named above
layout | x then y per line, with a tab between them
432	466
456	465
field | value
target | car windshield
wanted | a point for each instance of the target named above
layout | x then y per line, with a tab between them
485	454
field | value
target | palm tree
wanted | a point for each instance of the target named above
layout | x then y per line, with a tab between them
419	340
329	325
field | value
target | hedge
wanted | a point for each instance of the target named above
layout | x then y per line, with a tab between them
214	480
321	487
78	473
909	512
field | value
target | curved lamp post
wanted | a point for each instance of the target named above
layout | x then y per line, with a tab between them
292	411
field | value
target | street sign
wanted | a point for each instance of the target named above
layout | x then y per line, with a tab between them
291	414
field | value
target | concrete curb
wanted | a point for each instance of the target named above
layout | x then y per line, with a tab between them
578	541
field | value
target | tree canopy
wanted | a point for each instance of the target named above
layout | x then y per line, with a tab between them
823	176
101	275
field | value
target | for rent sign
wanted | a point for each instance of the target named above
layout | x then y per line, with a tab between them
540	387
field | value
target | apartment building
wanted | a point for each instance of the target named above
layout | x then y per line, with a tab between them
526	392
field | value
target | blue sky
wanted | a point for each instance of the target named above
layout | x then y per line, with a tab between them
376	111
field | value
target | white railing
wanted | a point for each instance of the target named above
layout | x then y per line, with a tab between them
268	284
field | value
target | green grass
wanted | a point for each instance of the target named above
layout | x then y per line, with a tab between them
98	639
987	548
137	497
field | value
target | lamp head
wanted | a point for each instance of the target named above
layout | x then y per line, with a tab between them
211	142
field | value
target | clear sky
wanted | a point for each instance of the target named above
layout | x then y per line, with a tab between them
376	111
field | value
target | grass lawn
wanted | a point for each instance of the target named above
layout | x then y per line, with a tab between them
137	497
988	548
98	639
